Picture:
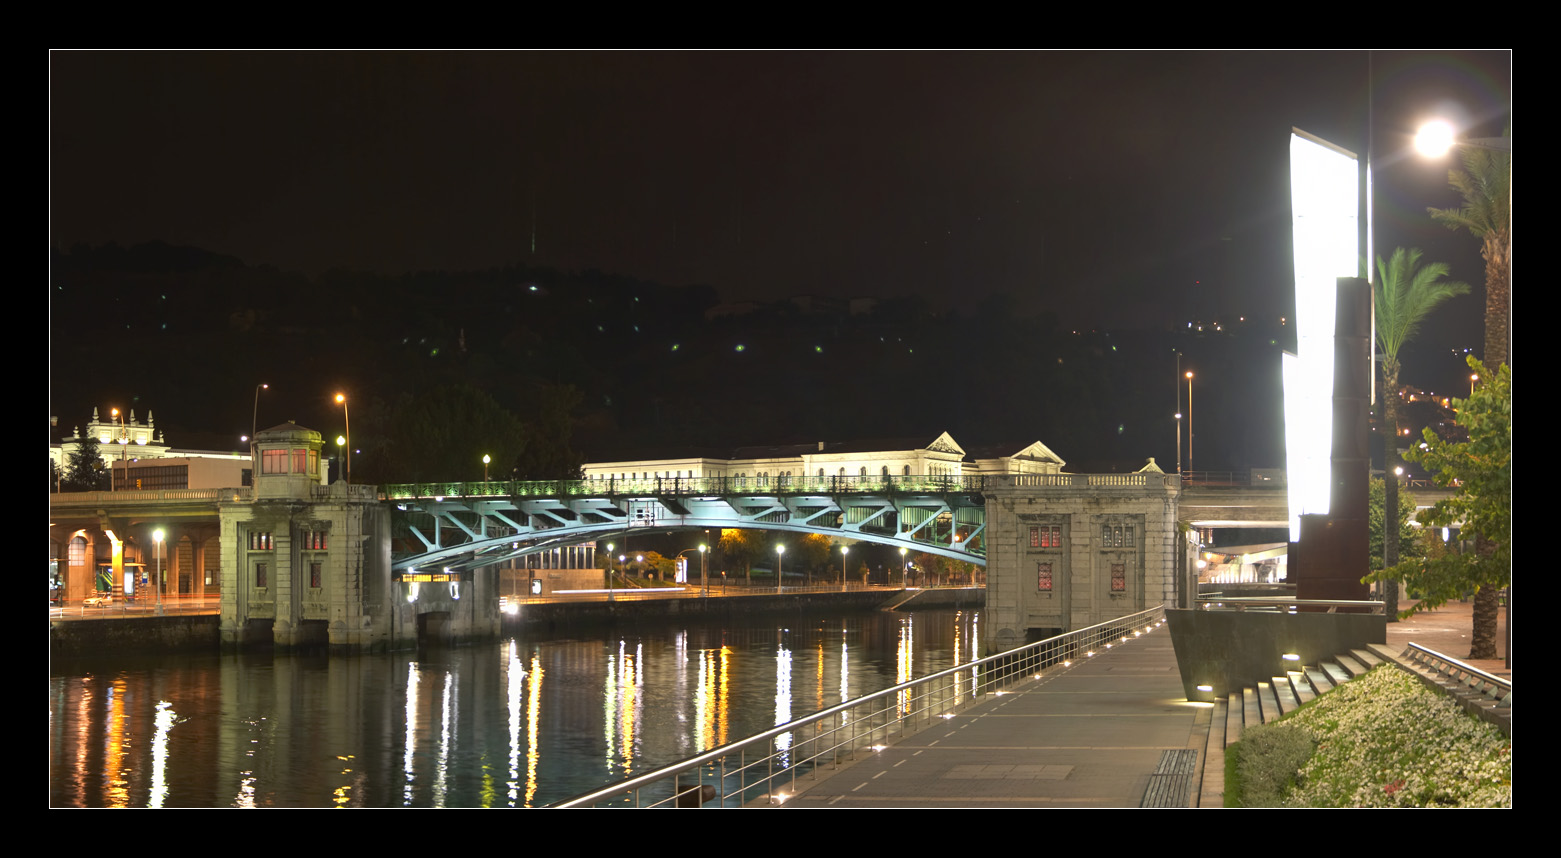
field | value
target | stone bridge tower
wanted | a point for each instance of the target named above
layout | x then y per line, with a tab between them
305	563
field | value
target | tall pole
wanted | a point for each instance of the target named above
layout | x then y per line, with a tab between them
342	398
780	552
157	537
1189	420
254	426
1177	385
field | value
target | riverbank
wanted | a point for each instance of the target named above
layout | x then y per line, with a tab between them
94	636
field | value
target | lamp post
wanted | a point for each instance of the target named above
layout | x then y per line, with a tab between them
157	537
844	550
123	439
609	571
485	460
904	565
1189	419
780	582
254	426
704	560
1473	377
341	456
341	398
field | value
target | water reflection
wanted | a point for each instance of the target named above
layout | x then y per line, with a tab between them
506	724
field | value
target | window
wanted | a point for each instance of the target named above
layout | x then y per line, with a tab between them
260	576
1043	577
1115	536
78	551
1046	536
314	575
259	541
864	470
907	471
313	540
273	462
1118	578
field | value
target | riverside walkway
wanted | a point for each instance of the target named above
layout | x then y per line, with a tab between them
1110	731
1090	735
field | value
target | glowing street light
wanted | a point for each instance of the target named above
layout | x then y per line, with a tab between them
341	399
844	550
485	460
780	582
704	557
904	566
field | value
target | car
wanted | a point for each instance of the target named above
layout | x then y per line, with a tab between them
101	600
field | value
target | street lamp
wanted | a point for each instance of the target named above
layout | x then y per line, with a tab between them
485	460
1189	419
341	444
904	565
254	426
844	550
157	537
704	558
342	399
124	440
1473	377
780	582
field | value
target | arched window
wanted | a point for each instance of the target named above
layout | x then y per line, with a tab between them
886	471
821	473
864	470
907	470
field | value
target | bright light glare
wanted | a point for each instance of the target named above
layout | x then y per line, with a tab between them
1324	198
1435	138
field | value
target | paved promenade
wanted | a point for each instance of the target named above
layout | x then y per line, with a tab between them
1090	735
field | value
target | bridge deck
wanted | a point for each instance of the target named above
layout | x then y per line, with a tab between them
1098	734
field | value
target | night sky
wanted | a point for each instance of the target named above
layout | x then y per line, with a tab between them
1120	190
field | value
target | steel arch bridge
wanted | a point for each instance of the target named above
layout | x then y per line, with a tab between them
465	525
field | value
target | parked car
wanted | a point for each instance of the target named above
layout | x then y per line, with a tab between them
101	600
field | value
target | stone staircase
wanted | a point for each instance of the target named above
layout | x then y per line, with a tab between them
1283	694
1270	700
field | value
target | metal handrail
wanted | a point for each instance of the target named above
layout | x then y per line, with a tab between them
1242	603
1468	675
760	765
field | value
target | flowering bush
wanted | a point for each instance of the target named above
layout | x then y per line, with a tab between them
1385	740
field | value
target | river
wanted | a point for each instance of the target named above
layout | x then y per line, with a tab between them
522	722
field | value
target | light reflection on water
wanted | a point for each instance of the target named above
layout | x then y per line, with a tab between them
504	724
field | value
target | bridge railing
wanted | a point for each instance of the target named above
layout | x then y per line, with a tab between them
727	486
689	486
767	765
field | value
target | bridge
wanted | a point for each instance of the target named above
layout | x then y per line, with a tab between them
468	525
298	561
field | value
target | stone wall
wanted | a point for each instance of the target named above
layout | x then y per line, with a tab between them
1049	565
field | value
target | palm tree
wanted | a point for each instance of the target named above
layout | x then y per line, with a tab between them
1405	294
1486	186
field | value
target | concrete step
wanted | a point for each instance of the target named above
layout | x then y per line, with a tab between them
1233	717
1285	695
1366	657
1351	666
1301	687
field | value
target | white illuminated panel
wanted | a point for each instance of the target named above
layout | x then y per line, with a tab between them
1324	204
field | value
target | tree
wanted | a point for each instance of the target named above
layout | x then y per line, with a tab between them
1481	468
742	546
85	470
1405	293
1486	186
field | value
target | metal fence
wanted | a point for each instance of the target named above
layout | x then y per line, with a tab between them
764	768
